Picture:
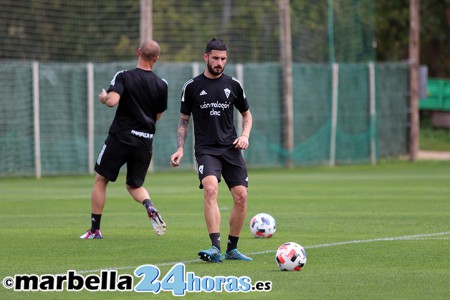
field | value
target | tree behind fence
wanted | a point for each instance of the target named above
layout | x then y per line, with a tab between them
108	30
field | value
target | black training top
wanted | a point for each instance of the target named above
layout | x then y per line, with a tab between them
211	103
142	96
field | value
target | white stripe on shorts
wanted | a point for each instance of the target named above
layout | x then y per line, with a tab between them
99	159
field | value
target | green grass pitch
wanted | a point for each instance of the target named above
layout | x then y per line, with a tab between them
370	232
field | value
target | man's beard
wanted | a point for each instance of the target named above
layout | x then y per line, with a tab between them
214	71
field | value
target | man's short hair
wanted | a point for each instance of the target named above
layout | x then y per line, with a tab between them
215	44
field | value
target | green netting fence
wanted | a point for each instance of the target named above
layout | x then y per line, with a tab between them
331	126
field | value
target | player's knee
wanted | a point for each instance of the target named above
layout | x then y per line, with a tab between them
240	197
130	189
101	180
211	191
210	187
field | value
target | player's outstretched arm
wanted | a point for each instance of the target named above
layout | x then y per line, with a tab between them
242	142
183	129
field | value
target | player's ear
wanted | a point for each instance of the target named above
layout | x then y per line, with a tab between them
205	57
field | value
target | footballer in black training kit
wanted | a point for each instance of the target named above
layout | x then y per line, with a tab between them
211	98
141	97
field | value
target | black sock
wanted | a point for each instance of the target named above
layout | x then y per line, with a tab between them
232	243
95	221
147	203
215	239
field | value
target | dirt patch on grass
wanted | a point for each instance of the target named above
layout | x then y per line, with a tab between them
434	155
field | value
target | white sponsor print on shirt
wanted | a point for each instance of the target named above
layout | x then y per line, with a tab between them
144	135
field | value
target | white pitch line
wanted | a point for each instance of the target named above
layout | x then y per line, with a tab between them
405	237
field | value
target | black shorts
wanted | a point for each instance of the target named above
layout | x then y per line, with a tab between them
114	154
230	165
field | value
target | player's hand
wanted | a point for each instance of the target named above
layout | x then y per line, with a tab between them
175	159
103	96
241	142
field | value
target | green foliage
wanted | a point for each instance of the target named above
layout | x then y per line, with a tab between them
365	229
54	30
392	33
392	30
104	30
251	31
434	139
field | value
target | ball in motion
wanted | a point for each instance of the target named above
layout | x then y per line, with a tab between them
263	226
290	257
